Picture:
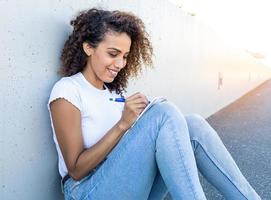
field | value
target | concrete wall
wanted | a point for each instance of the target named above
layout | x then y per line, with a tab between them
188	59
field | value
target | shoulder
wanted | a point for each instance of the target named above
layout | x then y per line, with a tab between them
69	84
67	89
63	83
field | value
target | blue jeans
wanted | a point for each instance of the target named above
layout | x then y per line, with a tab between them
161	154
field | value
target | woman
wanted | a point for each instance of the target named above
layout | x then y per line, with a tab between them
161	153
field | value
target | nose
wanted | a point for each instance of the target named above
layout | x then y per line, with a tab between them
120	63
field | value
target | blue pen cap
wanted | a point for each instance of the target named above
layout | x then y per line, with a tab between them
122	99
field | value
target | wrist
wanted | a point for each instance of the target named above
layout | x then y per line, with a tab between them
121	126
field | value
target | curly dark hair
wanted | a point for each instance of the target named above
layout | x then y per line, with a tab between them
91	26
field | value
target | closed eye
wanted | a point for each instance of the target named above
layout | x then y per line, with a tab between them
115	55
112	55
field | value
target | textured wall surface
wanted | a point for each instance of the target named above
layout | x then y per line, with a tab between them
189	60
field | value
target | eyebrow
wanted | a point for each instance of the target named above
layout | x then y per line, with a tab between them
116	49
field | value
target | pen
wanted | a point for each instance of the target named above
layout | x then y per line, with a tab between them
122	99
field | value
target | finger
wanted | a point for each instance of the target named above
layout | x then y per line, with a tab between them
138	101
137	108
137	95
140	106
140	110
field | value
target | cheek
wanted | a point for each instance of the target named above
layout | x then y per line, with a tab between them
99	64
104	61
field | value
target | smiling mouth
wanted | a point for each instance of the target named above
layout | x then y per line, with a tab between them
113	73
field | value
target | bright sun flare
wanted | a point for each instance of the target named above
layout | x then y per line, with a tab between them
242	23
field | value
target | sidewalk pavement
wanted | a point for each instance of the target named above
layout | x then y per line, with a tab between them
245	128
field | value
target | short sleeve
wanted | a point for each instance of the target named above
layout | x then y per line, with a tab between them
67	90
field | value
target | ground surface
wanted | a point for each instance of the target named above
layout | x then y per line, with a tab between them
245	128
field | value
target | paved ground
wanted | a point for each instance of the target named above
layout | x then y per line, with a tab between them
245	128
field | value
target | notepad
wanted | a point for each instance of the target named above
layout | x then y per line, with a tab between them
152	102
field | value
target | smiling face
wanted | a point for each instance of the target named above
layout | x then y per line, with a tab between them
107	59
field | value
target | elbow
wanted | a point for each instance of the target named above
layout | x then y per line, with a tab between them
75	176
74	171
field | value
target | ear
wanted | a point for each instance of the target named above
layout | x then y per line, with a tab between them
88	49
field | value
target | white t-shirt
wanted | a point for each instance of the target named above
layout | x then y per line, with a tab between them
98	114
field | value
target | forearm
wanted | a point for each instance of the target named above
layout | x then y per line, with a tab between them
90	158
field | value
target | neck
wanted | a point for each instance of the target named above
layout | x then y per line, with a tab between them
92	79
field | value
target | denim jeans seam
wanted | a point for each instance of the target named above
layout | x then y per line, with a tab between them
180	154
72	188
89	193
218	166
77	183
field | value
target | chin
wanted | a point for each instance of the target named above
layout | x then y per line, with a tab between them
109	80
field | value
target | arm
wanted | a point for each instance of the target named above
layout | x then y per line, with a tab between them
67	124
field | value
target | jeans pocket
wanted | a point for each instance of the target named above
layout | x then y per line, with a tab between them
78	190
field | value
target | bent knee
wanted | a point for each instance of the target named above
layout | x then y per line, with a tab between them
167	107
196	124
193	118
168	111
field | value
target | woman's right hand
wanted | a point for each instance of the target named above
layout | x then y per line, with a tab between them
134	105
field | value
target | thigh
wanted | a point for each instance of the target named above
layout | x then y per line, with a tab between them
130	168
